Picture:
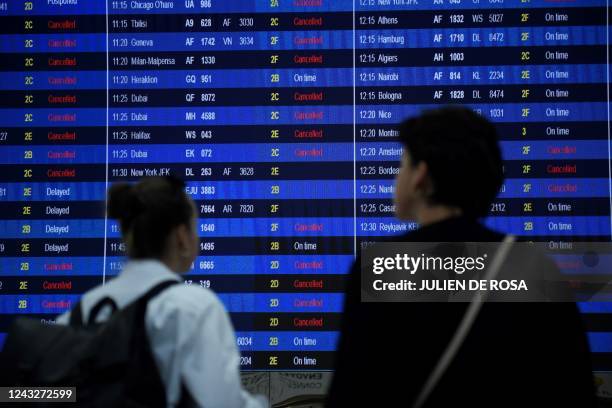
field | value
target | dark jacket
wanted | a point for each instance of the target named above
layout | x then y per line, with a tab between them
517	354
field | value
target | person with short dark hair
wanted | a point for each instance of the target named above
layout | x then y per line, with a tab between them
515	355
189	331
454	161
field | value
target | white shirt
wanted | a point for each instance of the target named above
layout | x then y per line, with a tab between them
190	333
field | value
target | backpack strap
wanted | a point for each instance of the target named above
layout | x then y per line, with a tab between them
155	290
142	301
95	311
141	346
76	314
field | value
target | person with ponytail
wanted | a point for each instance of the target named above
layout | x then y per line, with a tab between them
189	331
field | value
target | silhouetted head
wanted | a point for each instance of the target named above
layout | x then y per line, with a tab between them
157	220
451	159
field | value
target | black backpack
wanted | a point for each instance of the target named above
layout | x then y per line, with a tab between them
110	364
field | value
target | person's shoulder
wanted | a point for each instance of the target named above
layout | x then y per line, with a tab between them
186	317
187	299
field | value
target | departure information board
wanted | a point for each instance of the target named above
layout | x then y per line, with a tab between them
280	115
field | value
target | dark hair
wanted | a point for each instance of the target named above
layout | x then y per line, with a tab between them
462	154
148	211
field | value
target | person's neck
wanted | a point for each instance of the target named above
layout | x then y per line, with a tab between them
436	213
171	263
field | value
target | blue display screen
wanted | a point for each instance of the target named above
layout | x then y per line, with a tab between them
281	117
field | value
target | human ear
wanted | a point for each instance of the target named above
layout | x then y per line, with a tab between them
183	240
420	178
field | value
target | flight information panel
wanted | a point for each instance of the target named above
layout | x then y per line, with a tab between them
280	115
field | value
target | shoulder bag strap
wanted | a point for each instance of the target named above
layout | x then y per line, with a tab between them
464	327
